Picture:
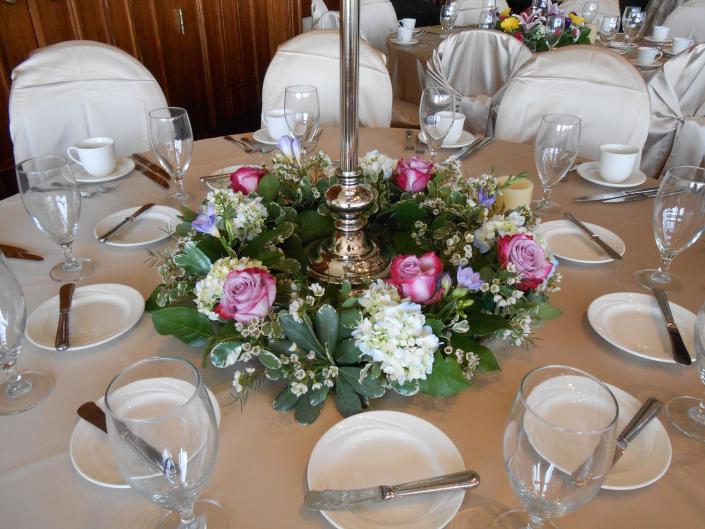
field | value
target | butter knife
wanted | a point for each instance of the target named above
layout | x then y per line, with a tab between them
125	221
154	177
63	336
617	194
460	153
335	500
649	409
596	238
155	167
15	252
680	351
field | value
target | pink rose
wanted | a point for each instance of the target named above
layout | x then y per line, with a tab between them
528	258
413	175
247	295
246	179
417	278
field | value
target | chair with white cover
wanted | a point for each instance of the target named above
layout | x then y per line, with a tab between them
77	89
688	20
598	86
322	18
314	59
377	20
469	11
476	64
677	131
604	7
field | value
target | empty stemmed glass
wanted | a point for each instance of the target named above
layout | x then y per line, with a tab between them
20	391
559	442
449	14
172	142
678	221
589	11
555	24
628	10
163	434
633	24
302	113
555	149
488	18
436	114
51	197
539	7
609	27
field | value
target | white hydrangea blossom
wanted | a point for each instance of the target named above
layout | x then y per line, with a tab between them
210	289
379	294
375	163
245	214
499	225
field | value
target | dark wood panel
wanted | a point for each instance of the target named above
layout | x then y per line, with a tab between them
91	20
54	21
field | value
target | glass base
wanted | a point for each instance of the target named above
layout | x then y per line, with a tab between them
517	519
653	278
683	412
63	275
545	207
182	196
40	385
209	515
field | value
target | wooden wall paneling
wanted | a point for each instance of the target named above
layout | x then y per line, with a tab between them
53	21
121	28
91	20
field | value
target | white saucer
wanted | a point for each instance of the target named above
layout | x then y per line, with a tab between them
652	40
590	172
155	224
262	136
400	43
658	62
386	447
648	455
224	182
89	449
618	45
565	240
122	167
99	313
670	53
465	139
633	322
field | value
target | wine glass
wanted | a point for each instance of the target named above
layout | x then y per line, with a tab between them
539	8
609	27
302	113
687	414
163	434
449	14
628	10
555	24
633	25
589	11
51	197
172	142
559	442
487	18
678	221
436	114
555	149
20	391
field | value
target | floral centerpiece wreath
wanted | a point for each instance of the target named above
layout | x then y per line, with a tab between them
462	270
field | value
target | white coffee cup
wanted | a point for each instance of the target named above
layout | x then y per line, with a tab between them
409	23
404	34
617	161
275	120
456	129
95	155
659	33
679	44
645	55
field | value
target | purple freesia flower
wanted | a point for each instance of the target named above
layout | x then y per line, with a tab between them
469	279
207	222
485	199
290	148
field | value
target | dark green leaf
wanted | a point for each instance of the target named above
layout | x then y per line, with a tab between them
409	388
291	266
273	374
256	245
347	352
327	321
436	326
446	379
348	303
484	324
345	289
546	311
212	248
285	401
268	187
269	256
407	212
349	319
487	360
188	325
346	399
318	396
369	387
313	226
294	249
151	304
182	228
307	413
301	334
281	347
268	360
193	260
219	353
187	213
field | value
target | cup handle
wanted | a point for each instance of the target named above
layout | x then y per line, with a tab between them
659	54
68	153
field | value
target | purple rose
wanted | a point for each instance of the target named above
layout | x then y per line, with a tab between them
207	222
528	258
247	295
469	279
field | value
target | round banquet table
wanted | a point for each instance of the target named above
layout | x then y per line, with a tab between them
260	475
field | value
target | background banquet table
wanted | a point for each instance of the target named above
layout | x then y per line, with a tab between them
260	475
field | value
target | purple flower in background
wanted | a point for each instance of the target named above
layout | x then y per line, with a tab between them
485	199
469	279
207	222
290	148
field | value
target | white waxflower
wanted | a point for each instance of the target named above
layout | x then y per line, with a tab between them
244	214
317	290
210	289
298	389
378	295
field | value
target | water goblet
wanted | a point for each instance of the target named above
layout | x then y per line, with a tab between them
163	434
628	10
678	221
555	149
449	14
589	11
559	442
609	27
633	25
436	115
302	113
172	142
51	198
20	391
488	18
555	24
539	8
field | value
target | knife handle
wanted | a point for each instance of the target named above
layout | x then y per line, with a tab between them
680	351
62	335
460	480
650	409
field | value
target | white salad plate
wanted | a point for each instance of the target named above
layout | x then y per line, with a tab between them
262	136
404	43
89	449
465	139
224	182
590	171
633	322
386	448
565	240
123	167
99	313
155	224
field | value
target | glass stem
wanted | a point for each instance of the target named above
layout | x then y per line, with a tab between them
179	177
187	520
70	261
665	264
16	385
547	194
535	522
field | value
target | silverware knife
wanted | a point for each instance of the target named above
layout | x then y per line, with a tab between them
257	146
618	194
478	147
596	238
409	140
649	409
680	351
15	252
63	335
460	153
242	144
213	177
154	177
420	147
125	221
334	500
155	167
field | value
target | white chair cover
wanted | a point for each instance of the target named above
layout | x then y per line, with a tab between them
377	20
313	59
677	132
469	11
604	7
77	89
322	17
688	20
600	87
657	11
476	64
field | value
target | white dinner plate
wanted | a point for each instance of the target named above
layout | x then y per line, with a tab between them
652	40
648	455
590	172
386	447
407	43
123	167
155	224
89	449
465	139
224	182
633	322
565	240
262	136
99	313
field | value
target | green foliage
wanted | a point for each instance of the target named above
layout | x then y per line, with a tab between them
346	398
268	187
188	325
219	353
446	379
313	226
193	260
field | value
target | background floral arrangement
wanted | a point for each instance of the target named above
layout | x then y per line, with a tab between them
530	28
461	270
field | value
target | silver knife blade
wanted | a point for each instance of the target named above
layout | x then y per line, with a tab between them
596	238
680	351
484	142
461	152
630	198
333	500
649	409
616	194
125	221
63	335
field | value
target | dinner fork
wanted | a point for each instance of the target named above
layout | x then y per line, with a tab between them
420	147
242	144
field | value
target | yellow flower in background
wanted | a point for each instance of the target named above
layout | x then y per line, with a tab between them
510	24
506	12
576	20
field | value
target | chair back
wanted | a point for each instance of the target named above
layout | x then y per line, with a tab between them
604	7
377	20
688	20
322	18
469	11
